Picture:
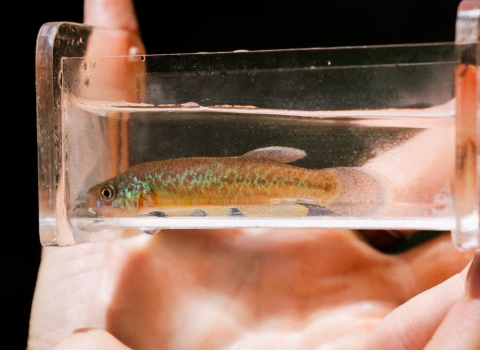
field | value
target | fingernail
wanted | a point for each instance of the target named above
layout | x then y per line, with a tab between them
473	277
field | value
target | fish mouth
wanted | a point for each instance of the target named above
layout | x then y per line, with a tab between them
94	213
94	207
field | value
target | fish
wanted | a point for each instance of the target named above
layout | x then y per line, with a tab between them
259	183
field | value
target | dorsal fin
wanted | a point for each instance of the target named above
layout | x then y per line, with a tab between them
276	154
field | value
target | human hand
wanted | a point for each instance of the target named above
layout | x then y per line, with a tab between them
254	289
262	288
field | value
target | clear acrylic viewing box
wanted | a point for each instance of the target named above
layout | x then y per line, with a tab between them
381	137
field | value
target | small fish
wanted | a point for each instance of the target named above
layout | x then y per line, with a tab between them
259	184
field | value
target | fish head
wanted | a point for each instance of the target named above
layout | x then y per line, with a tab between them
110	199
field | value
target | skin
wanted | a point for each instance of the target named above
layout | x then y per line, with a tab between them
256	289
252	289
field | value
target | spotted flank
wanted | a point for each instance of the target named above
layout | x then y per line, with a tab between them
258	184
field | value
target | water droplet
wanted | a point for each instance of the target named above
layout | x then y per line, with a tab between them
329	62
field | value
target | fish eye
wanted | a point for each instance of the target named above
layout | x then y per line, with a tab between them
107	192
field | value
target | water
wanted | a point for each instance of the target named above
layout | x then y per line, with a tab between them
412	148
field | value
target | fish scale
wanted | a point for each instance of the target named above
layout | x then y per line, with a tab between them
259	183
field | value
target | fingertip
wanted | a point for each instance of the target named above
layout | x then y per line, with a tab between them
88	338
114	14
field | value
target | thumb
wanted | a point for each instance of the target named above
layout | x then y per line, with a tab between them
460	328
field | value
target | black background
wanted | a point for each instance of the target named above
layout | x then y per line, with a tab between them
169	27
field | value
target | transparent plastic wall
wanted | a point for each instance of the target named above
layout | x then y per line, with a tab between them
358	137
467	180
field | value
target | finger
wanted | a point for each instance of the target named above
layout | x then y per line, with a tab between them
411	325
86	339
116	79
74	287
460	328
115	14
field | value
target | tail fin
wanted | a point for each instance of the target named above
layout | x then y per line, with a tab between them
363	192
